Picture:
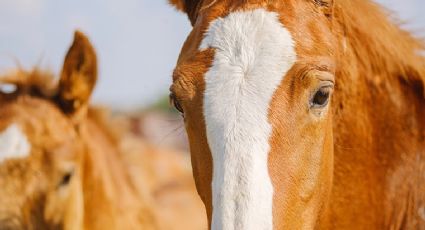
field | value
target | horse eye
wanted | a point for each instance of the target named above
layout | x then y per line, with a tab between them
66	179
321	97
174	102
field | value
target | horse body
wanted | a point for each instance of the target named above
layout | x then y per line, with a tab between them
358	166
107	186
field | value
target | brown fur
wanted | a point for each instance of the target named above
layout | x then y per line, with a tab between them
75	177
191	7
360	166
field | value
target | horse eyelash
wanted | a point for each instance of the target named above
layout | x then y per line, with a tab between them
321	3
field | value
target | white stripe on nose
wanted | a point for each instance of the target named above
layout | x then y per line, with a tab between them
253	52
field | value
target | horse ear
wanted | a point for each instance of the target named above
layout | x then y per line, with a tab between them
79	75
190	7
326	6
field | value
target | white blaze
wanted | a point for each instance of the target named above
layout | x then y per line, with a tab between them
253	52
13	143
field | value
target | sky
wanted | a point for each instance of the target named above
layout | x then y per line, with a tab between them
137	41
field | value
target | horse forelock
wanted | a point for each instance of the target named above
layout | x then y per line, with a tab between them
35	82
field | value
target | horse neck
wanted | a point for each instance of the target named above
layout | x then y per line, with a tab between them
107	185
379	123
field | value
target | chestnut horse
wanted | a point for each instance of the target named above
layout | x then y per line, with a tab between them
59	166
303	114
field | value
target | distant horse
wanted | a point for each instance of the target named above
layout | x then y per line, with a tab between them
60	168
303	114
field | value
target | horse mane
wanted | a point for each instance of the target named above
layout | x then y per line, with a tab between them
35	82
114	128
380	46
43	84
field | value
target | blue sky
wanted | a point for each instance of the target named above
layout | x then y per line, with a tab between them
137	41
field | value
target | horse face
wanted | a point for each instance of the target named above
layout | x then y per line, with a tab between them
41	149
254	82
38	165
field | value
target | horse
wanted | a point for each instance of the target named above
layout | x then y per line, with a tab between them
306	114
60	166
167	174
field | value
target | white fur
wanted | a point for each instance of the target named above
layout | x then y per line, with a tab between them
253	52
13	143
